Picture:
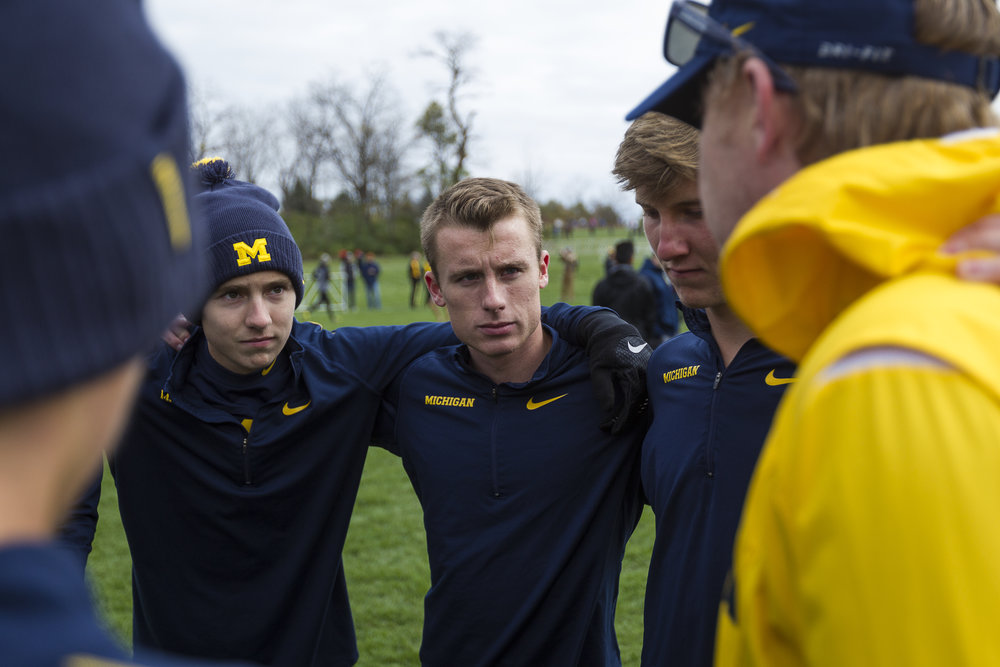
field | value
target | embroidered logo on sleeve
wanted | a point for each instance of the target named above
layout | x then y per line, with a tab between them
534	406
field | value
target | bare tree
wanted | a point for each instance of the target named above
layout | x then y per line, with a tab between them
447	127
247	139
393	179
309	128
205	121
359	137
530	179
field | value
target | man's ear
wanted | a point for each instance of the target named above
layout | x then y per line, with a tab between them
773	123
436	296
543	269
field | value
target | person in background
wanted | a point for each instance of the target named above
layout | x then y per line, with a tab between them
347	267
570	264
609	260
321	275
667	318
370	273
867	532
527	502
415	272
627	293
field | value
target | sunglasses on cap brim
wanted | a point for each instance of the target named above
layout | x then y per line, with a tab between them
689	23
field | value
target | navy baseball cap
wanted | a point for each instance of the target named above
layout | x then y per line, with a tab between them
870	35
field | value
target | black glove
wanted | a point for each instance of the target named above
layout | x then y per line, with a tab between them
618	356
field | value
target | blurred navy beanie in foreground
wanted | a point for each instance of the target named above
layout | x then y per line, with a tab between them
99	247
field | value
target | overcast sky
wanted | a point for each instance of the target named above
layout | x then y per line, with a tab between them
554	78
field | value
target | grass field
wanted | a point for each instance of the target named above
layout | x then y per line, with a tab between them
385	557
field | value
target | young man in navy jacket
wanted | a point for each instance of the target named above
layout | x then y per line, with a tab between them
247	448
712	394
527	502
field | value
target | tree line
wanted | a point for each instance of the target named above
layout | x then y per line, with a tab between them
354	142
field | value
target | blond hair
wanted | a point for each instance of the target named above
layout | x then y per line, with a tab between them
840	109
658	153
478	203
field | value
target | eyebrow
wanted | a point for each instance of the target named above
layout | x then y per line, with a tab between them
239	287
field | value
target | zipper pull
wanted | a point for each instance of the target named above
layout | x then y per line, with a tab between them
246	463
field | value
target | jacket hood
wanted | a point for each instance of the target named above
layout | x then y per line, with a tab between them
841	227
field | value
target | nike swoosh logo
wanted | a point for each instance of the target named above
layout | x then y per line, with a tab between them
636	350
287	411
534	406
776	382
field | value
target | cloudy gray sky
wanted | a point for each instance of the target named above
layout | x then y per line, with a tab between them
554	77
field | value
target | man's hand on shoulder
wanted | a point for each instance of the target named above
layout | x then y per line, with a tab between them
618	357
982	235
178	332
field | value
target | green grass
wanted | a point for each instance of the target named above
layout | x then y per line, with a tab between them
385	556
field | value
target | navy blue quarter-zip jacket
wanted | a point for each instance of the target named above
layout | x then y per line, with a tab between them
527	507
236	528
236	492
709	424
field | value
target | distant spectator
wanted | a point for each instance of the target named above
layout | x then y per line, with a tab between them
557	227
359	262
609	260
570	263
321	274
370	271
347	267
666	319
625	292
415	271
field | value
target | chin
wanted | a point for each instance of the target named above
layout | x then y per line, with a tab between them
496	348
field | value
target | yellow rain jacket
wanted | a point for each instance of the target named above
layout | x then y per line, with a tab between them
871	530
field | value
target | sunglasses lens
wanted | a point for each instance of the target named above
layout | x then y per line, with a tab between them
681	43
681	39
